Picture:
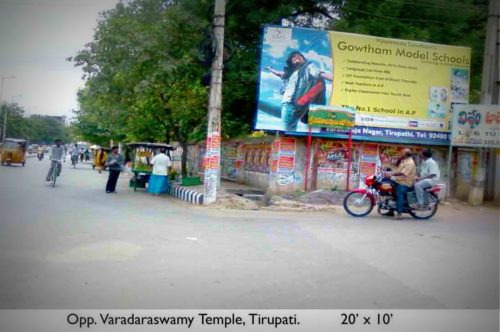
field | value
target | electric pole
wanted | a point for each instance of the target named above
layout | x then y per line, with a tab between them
213	148
487	179
4	131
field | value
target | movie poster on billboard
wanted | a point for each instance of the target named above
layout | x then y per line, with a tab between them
401	90
294	61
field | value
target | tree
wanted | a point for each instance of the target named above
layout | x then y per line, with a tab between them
17	126
142	75
42	129
244	21
451	22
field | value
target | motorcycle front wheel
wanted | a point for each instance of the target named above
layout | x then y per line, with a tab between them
357	204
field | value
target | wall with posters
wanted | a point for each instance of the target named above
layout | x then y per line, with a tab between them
277	164
330	161
229	160
330	164
255	163
403	91
287	165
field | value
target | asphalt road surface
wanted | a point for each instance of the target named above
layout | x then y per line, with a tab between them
74	246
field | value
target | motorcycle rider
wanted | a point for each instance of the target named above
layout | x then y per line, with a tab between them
429	176
40	152
404	176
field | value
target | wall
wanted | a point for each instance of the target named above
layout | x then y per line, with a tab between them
287	165
367	158
277	164
253	163
464	166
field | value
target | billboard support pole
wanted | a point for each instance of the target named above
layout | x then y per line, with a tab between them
448	181
349	145
308	158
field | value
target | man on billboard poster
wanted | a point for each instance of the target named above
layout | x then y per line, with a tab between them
303	85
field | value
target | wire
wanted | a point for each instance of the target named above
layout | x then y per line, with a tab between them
435	4
399	19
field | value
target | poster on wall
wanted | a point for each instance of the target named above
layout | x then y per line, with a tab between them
283	152
476	126
401	90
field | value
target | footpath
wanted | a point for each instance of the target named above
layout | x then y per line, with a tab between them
238	196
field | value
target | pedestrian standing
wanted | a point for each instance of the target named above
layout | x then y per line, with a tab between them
158	181
114	162
100	159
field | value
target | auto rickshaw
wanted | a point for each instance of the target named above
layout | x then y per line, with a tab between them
13	151
142	153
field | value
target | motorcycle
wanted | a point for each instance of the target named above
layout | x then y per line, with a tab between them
39	155
381	192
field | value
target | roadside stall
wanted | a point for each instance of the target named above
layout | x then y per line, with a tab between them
13	151
141	155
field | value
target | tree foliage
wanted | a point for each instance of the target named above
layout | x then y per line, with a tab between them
36	129
142	75
450	22
145	64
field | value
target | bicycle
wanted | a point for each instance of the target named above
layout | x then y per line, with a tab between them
74	161
54	175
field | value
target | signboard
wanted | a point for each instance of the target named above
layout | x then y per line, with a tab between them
476	126
331	117
401	90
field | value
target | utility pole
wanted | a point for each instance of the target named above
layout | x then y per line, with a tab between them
490	95
213	148
4	130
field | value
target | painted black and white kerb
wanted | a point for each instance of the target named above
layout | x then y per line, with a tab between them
185	194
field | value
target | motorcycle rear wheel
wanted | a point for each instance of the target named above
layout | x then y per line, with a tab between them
426	214
356	205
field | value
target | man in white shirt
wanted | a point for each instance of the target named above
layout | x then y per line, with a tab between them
161	162
158	181
429	177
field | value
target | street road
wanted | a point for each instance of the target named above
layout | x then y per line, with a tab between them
74	246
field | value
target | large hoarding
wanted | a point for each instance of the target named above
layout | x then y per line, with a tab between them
401	90
476	126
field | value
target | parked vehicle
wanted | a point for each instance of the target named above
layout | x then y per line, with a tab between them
13	151
380	192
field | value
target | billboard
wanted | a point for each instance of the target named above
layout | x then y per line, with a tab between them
401	90
476	126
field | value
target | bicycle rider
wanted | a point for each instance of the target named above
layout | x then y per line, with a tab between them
74	154
56	155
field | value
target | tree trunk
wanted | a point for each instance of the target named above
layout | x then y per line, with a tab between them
184	156
167	135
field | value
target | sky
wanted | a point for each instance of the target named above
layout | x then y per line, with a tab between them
36	38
